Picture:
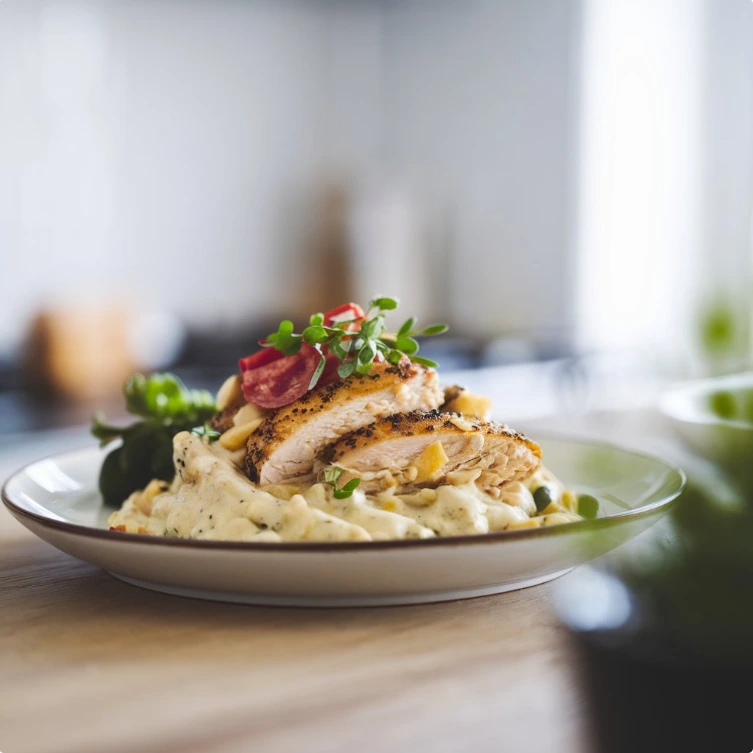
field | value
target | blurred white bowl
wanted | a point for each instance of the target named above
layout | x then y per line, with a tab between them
715	417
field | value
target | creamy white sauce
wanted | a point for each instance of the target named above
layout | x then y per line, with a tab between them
212	499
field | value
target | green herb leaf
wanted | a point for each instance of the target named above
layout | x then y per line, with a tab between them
348	489
406	327
206	431
332	476
166	407
339	349
367	353
346	368
356	348
104	432
384	304
285	340
315	334
318	372
406	345
424	362
164	396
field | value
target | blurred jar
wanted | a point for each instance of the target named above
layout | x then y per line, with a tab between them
86	351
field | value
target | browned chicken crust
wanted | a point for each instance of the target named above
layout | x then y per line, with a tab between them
384	453
285	447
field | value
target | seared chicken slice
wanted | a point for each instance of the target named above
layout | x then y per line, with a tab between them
414	450
283	449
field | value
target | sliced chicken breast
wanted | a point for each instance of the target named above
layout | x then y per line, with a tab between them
284	448
414	450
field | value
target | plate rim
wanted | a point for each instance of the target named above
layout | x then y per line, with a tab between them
496	537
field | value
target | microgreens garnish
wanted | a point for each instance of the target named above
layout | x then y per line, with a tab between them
332	476
356	342
206	431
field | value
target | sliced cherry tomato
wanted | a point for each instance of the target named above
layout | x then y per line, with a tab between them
345	313
281	381
329	375
260	358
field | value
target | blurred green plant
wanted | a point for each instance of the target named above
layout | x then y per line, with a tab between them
723	332
166	407
695	588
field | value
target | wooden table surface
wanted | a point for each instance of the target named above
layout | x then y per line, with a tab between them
92	665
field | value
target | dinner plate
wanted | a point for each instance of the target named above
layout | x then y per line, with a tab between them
56	498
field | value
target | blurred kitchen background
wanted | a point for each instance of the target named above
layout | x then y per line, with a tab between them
567	183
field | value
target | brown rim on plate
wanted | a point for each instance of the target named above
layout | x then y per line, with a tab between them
484	538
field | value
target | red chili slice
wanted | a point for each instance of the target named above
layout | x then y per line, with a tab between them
329	375
344	313
281	381
260	358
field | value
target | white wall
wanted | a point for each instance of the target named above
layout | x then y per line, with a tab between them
727	133
551	166
161	150
640	213
480	100
666	170
172	151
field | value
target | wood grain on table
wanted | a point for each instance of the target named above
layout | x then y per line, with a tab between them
92	665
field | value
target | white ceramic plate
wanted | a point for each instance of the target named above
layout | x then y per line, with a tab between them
56	498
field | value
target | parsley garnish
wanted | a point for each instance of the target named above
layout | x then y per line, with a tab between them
356	350
332	476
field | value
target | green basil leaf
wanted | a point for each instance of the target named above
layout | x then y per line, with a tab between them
434	329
